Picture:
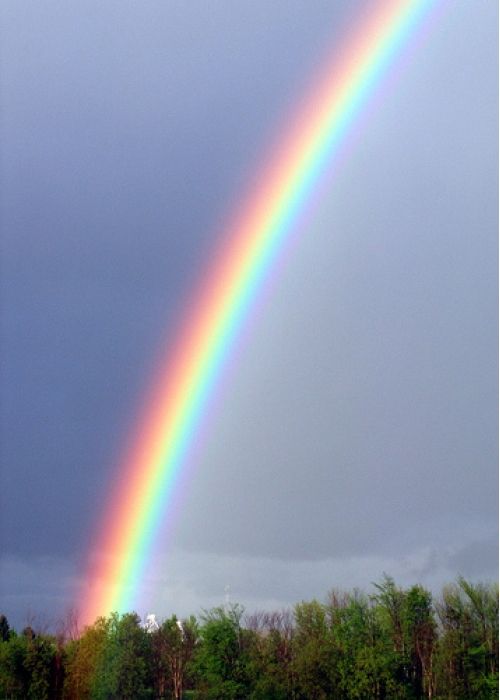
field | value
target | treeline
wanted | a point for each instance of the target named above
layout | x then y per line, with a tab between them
394	643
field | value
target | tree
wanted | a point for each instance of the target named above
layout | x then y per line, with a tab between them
4	629
39	662
123	668
173	645
397	644
83	659
366	659
468	646
315	653
272	655
420	635
14	678
221	661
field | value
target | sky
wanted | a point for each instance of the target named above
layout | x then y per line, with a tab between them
355	431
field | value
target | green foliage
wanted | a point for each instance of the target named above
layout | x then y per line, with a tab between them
83	659
173	646
315	653
39	663
397	644
123	667
367	662
269	644
222	661
468	646
14	678
112	659
28	667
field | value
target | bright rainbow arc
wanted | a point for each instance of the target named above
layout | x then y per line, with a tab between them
221	305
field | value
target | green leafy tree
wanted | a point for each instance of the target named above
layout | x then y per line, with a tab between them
366	659
83	660
14	677
173	646
468	646
315	653
40	664
222	660
420	636
271	650
123	667
391	610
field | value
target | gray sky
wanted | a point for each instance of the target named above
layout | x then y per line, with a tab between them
357	429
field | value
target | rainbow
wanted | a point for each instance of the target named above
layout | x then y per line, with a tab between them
255	237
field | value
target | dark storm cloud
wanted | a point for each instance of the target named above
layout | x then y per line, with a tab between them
479	558
124	135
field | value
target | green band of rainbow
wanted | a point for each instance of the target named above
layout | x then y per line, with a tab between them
255	238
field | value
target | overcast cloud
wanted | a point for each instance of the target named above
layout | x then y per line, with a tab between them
356	429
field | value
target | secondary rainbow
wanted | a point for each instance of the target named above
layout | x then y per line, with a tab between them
253	241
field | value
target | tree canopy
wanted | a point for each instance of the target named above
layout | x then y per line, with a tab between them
393	643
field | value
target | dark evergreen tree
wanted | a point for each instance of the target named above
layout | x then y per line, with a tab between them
4	629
